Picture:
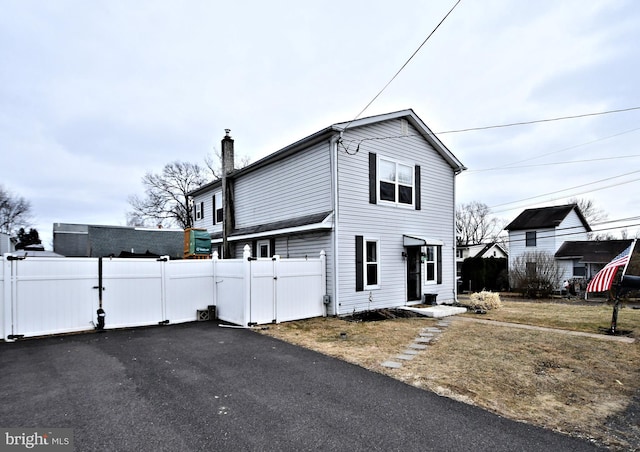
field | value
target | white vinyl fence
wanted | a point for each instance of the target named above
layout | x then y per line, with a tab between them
42	296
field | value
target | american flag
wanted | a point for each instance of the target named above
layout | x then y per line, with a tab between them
604	278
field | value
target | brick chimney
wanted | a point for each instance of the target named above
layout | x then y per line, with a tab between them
228	222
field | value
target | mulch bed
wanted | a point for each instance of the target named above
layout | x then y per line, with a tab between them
376	315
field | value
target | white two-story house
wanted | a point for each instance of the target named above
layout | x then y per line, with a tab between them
376	194
545	229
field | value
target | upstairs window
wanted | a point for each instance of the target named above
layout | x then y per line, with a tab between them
217	208
395	182
392	182
199	210
531	238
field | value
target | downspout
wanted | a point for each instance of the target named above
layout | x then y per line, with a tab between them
333	144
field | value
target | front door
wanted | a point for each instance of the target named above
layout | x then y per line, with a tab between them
414	275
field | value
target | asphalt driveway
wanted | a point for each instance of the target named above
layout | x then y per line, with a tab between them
199	386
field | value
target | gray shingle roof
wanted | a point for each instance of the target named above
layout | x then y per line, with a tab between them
594	251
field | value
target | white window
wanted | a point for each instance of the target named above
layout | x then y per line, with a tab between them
430	260
371	263
199	210
395	182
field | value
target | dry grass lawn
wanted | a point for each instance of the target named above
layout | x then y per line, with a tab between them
578	385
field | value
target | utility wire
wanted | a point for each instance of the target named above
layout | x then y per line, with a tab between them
404	65
569	228
571	188
508	165
555	163
470	129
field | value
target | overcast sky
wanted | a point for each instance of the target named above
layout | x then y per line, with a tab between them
94	94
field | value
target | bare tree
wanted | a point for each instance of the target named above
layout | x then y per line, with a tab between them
535	273
589	210
474	224
15	211
166	200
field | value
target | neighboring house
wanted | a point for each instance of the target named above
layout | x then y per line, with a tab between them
478	275
581	260
83	240
484	250
7	245
376	194
545	229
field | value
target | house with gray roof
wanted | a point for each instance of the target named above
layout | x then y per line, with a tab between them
583	259
376	194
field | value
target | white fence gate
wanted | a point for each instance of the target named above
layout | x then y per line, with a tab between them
41	296
258	291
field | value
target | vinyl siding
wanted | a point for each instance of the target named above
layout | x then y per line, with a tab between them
388	223
548	240
207	221
296	186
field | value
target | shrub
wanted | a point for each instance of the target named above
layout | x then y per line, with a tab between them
484	300
535	274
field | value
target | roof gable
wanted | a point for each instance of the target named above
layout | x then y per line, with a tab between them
416	122
335	130
545	217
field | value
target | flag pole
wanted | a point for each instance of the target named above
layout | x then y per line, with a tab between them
616	303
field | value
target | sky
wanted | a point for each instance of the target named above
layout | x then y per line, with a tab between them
93	95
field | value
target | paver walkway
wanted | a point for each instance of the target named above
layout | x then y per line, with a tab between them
426	336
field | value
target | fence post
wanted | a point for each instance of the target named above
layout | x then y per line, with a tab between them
246	297
7	301
214	262
164	261
323	279
276	279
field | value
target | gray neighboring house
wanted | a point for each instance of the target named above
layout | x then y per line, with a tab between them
84	240
376	194
583	259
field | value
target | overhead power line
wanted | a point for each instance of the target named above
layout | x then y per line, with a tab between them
572	188
404	65
536	121
509	165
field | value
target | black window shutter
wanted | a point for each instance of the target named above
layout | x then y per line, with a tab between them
272	246
439	260
417	188
254	248
359	263
373	178
213	201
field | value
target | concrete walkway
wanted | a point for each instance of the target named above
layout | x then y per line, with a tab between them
604	337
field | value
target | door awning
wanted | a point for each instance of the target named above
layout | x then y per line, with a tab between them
412	240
